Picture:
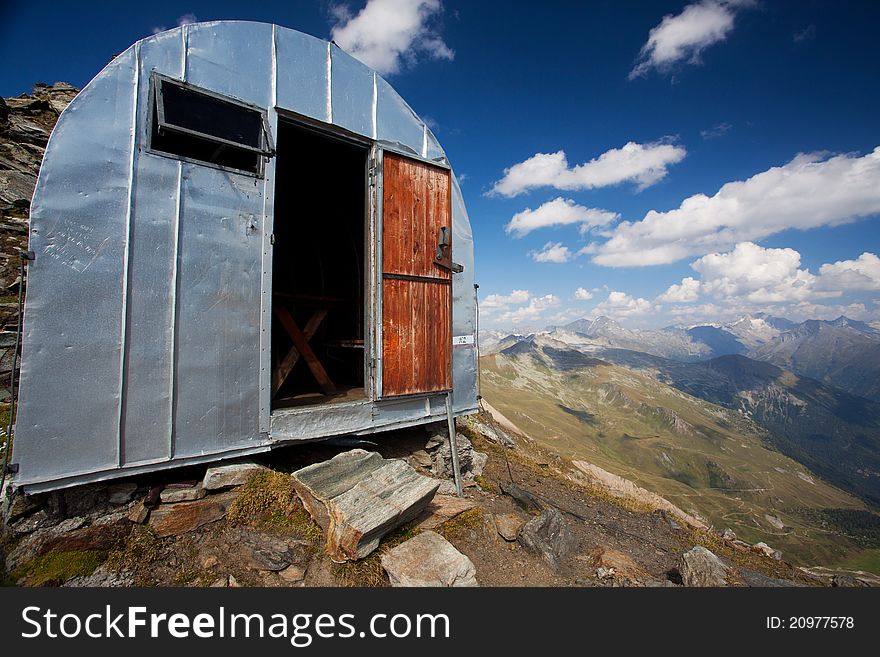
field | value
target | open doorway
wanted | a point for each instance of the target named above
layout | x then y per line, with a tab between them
318	268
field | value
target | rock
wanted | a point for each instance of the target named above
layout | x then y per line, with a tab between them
447	487
549	536
357	497
774	521
21	505
756	579
83	500
420	459
103	536
182	493
293	574
102	577
493	434
220	583
523	498
670	521
470	461
443	508
233	583
700	567
846	581
210	561
428	560
612	564
174	519
31	523
230	474
262	551
139	513
741	546
121	493
767	551
508	525
67	536
728	535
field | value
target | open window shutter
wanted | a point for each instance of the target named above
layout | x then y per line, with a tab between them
416	290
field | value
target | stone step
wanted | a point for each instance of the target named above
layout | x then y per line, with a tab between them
357	497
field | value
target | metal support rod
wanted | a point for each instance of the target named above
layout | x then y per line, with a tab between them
453	445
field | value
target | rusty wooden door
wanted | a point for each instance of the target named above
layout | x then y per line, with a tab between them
416	290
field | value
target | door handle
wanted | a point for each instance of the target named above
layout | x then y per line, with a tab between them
443	257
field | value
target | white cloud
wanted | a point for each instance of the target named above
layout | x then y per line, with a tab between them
558	212
756	274
552	252
620	304
187	19
531	312
807	192
502	301
644	164
854	275
582	294
387	34
685	292
685	35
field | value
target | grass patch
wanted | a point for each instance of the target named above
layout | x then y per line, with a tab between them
268	500
868	560
463	523
141	549
487	485
368	571
55	568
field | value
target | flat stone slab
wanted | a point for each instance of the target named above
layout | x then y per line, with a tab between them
174	519
230	474
357	497
428	560
178	493
443	508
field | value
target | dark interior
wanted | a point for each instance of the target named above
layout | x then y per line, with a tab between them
318	262
195	122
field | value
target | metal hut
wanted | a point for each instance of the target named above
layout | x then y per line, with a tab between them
243	237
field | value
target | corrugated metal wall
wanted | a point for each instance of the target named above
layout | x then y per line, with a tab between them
145	335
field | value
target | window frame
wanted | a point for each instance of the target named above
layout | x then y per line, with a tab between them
156	119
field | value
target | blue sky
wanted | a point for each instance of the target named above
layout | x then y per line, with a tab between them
584	134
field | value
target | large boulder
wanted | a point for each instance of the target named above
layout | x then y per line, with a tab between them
549	536
428	560
701	567
357	497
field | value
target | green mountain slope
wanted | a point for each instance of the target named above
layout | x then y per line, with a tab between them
707	459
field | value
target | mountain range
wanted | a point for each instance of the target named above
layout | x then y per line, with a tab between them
843	352
764	424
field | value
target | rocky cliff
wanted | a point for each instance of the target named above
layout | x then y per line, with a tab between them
26	121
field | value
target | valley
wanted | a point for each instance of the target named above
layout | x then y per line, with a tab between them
700	435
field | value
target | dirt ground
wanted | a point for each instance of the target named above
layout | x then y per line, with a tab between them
266	522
